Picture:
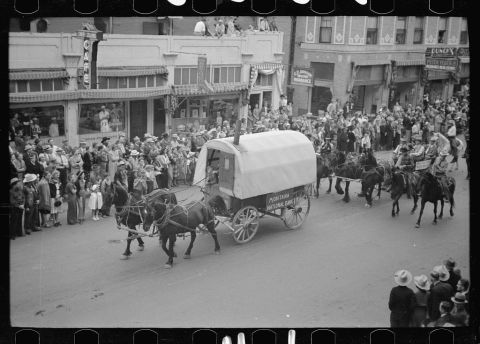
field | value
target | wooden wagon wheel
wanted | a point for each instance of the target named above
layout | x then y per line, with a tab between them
245	224
295	214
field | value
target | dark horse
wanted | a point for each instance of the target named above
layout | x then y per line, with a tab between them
431	191
131	212
399	187
324	170
175	219
375	176
346	169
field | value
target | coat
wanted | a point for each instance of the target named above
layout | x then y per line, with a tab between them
44	195
439	292
402	302
17	198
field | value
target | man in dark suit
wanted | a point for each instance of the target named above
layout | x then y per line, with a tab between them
440	291
454	273
402	300
445	318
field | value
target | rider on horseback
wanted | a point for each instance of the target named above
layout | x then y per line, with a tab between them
431	152
418	150
439	170
406	164
397	152
325	150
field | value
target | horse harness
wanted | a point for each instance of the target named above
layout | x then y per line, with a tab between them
167	217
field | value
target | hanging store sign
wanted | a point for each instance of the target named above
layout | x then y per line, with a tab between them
463	52
302	76
441	52
449	65
86	63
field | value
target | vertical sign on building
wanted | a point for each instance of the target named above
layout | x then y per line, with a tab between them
202	70
86	63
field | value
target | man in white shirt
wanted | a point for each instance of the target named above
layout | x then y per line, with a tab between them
200	27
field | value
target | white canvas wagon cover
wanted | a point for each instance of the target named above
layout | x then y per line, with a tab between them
264	162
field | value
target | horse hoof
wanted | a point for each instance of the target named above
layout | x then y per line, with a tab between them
217	252
140	248
346	200
412	212
440	217
451	213
124	257
367	205
434	222
417	225
174	255
186	256
393	215
168	266
328	191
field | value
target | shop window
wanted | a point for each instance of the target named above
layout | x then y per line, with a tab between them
193	75
160	80
185	76
22	86
265	80
442	30
122	82
231	74
464	32
35	86
177	76
223	75
150	81
142	81
323	71
101	118
50	119
216	75
401	30
372	30
237	74
58	84
326	24
13	87
418	32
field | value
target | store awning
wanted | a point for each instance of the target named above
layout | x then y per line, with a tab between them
125	72
195	90
371	63
37	74
465	59
419	62
36	97
267	65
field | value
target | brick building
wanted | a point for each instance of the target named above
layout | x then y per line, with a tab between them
352	58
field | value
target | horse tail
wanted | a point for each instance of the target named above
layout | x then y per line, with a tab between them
452	191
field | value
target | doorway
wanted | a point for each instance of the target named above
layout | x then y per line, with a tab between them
158	117
138	118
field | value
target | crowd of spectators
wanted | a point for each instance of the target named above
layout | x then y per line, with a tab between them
229	26
439	301
46	176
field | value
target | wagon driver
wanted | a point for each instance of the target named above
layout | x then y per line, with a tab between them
326	150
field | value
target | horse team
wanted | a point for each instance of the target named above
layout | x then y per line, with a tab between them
170	219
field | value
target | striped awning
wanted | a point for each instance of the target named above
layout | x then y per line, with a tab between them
121	72
419	62
195	90
371	62
267	65
36	97
37	74
465	59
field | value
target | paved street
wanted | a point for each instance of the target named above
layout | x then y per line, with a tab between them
331	272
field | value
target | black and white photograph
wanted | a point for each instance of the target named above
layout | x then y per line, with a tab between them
239	171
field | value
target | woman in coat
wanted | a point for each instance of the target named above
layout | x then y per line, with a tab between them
44	198
71	196
81	186
17	204
420	312
351	139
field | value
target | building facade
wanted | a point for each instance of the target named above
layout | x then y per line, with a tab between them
146	81
375	61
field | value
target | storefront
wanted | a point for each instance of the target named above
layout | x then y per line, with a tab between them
405	85
266	84
368	87
199	107
438	85
463	77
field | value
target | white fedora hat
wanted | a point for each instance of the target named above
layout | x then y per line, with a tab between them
402	277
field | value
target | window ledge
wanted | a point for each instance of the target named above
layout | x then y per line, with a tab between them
170	54
247	54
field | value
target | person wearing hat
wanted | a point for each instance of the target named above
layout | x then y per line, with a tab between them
431	152
150	178
402	300
102	159
17	205
55	197
132	168
418	152
454	273
67	148
445	318
420	313
76	162
82	194
121	178
63	166
459	312
71	197
406	165
439	291
32	200
397	151
439	170
106	189
44	206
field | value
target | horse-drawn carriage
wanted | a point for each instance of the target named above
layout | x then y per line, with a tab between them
265	174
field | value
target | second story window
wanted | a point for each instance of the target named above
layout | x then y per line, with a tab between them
418	33
442	30
464	32
326	24
372	30
223	75
401	30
